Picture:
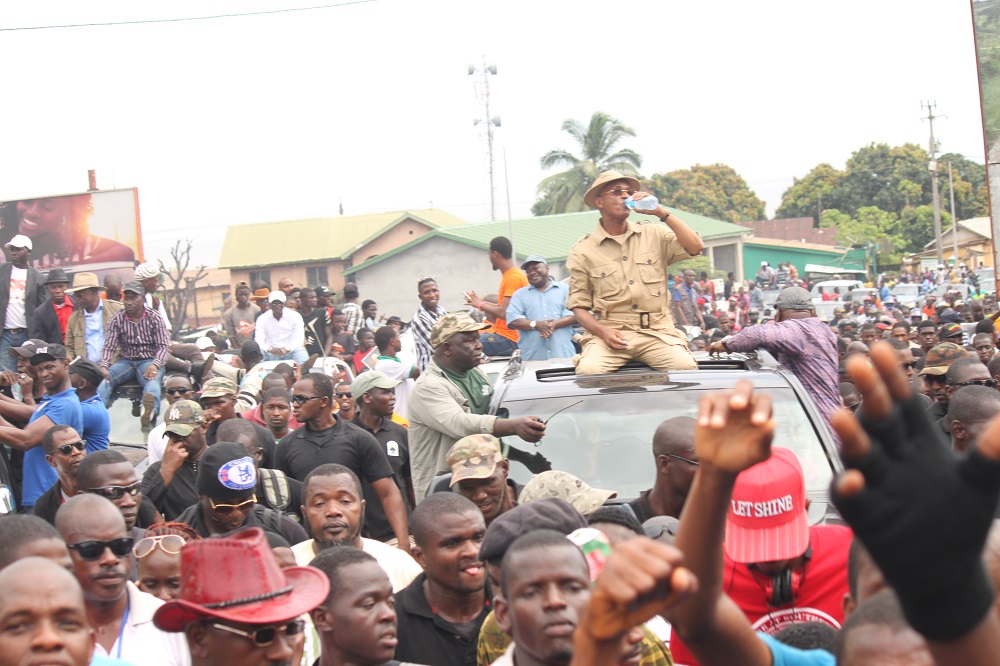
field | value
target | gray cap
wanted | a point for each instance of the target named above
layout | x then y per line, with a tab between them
534	259
794	298
135	287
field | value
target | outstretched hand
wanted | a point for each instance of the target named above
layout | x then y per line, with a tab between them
901	478
734	429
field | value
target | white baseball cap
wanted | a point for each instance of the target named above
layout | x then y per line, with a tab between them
276	296
20	240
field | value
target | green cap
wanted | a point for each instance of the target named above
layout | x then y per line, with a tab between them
183	416
940	357
366	381
216	387
566	487
451	324
474	457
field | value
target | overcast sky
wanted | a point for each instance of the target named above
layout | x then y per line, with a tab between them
280	116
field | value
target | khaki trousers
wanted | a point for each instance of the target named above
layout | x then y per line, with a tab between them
649	348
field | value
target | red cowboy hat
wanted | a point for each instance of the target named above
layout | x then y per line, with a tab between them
236	578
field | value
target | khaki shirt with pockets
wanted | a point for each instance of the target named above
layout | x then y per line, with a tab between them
626	275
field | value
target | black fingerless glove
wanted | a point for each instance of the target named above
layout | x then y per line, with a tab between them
924	515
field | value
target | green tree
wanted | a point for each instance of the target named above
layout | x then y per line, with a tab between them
971	192
810	194
597	142
712	190
916	226
870	224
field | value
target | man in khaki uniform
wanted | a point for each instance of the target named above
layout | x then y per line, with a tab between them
618	289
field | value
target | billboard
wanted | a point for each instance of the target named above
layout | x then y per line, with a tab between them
95	231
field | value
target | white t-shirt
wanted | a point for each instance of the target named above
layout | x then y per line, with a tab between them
162	310
16	317
398	566
156	443
141	642
395	369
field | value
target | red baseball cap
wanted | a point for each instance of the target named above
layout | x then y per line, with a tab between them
767	519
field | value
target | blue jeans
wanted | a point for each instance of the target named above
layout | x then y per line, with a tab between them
123	370
298	355
496	345
8	341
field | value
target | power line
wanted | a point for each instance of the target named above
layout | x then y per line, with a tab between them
189	18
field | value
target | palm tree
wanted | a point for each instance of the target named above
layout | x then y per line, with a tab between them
563	192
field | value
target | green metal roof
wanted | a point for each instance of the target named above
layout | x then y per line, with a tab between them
316	239
551	236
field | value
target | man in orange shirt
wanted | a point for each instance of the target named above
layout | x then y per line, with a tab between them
503	340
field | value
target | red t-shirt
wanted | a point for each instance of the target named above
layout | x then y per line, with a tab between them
819	589
63	314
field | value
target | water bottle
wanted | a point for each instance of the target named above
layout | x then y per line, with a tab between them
649	202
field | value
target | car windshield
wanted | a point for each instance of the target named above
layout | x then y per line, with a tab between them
905	289
606	439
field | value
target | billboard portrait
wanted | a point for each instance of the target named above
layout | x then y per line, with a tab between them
94	231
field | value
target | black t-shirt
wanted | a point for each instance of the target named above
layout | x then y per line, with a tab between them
171	500
641	507
347	341
396	446
426	638
304	449
315	324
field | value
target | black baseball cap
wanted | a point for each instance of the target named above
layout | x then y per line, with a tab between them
48	352
87	369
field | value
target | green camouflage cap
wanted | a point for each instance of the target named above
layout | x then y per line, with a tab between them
474	457
217	387
566	487
183	416
940	357
450	324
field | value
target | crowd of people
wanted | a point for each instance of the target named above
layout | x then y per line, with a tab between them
325	485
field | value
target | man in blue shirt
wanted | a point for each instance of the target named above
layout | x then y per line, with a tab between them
59	406
85	377
539	312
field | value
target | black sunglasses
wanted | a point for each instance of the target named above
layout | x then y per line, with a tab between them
67	449
176	391
687	460
303	399
909	366
116	492
991	383
264	636
91	550
342	394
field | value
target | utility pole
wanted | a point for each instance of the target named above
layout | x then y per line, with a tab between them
932	149
954	220
483	91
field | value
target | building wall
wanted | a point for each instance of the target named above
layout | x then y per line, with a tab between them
799	229
402	233
297	272
458	267
753	254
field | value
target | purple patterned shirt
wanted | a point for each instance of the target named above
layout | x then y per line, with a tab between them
807	347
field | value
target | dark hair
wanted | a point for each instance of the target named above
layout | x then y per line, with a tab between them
243	285
867	327
972	405
351	290
306	290
958	366
423	281
362	331
882	609
615	516
334	560
502	246
272	393
428	512
809	636
337	312
994	366
48	439
857	557
17	531
240	431
901	324
366	303
331	469
899	344
86	473
534	540
383	336
322	384
986	326
926	323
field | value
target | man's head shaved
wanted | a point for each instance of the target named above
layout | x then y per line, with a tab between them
18	531
240	431
674	436
32	570
82	513
973	404
962	368
427	513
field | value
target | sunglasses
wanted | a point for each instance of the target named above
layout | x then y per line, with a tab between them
116	492
67	449
909	366
618	191
687	460
229	508
91	550
168	543
303	399
177	391
343	394
265	635
991	383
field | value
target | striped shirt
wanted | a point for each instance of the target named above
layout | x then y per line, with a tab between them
138	339
352	317
421	324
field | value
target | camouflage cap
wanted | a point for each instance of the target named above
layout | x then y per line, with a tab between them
216	387
940	358
565	486
474	457
183	416
451	324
